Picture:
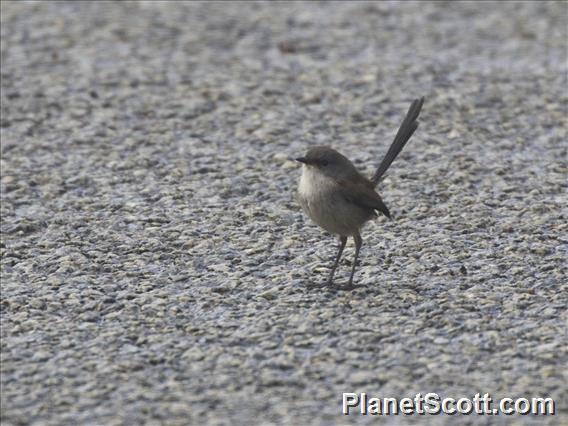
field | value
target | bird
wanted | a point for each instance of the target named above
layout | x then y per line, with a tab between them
338	198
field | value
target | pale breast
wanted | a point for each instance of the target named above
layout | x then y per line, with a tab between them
327	207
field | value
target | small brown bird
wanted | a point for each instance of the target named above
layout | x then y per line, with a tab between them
338	198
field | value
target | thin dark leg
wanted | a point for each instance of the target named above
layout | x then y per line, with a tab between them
358	244
343	241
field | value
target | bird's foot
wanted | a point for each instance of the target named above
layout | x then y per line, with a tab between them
348	287
320	285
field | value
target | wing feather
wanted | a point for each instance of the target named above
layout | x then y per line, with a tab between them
362	195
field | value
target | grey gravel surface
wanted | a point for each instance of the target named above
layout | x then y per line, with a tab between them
156	268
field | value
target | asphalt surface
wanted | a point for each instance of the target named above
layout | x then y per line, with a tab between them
157	269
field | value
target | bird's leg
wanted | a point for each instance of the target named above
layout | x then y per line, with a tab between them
343	241
358	244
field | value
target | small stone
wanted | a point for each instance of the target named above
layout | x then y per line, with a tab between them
280	157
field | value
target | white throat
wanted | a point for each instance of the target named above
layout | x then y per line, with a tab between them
312	182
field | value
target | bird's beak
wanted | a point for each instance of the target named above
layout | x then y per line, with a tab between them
302	160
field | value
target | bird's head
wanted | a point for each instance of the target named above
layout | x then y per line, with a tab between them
327	161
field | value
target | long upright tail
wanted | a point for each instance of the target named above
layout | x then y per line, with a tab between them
405	131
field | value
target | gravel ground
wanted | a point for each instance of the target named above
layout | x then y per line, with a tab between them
156	268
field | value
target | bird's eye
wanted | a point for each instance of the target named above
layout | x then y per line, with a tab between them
324	163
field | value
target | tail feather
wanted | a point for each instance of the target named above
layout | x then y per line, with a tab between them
405	132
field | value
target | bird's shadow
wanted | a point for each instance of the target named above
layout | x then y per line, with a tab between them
333	287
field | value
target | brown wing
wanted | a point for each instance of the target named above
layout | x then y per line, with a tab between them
363	195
